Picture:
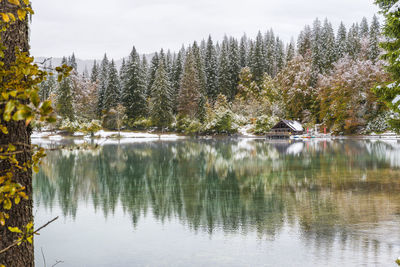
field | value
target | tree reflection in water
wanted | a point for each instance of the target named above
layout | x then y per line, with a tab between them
330	190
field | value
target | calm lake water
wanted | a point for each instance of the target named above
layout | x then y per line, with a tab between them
221	203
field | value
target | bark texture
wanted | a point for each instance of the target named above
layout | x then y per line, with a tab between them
17	35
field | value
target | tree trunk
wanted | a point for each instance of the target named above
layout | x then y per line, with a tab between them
16	36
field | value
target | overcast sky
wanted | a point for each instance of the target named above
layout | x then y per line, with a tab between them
91	27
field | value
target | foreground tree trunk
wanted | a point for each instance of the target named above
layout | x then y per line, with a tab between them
16	36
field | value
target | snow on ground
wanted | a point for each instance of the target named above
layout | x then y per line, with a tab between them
129	136
244	130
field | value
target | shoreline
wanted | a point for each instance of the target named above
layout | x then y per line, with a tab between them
143	135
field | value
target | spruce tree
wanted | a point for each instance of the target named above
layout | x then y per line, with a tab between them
258	59
103	83
304	41
353	41
341	41
374	34
364	28
94	76
224	78
134	87
269	53
290	51
152	73
64	97
211	71
234	67
113	91
391	30
161	100
243	52
317	49
177	70
190	94
279	56
328	46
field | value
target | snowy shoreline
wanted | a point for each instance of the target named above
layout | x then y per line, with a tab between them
126	136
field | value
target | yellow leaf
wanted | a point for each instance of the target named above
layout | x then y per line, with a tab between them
7	204
14	2
5	17
11	15
17	200
26	2
14	229
21	14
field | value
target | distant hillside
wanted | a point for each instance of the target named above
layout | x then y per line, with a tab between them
84	63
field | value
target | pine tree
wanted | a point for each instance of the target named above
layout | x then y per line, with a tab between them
48	86
317	48
177	70
103	83
258	59
211	71
94	76
269	52
290	50
364	28
190	90
152	73
64	97
72	62
224	78
374	34
134	87
113	91
161	100
279	56
341	41
234	67
353	41
243	52
391	30
328	46
304	41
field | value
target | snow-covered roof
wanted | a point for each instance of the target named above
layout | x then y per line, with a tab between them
295	125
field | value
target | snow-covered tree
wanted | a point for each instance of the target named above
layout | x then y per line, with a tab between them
341	41
347	102
374	35
134	87
161	100
190	93
64	97
211	70
304	41
113	90
102	84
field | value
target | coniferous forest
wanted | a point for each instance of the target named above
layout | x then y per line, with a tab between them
324	77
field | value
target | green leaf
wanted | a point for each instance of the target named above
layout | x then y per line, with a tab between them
21	115
35	98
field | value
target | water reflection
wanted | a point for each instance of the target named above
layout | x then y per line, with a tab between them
331	192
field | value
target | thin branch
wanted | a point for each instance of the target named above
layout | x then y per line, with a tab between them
57	262
44	61
15	243
44	259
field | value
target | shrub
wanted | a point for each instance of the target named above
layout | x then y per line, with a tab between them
264	124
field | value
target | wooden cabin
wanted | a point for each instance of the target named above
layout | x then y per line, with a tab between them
285	129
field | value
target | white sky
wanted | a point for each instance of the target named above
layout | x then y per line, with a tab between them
91	27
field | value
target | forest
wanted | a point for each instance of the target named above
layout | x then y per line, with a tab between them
326	77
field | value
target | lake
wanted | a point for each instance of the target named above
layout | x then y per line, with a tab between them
225	202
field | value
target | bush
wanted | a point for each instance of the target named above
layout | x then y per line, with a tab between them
222	123
70	126
91	127
264	124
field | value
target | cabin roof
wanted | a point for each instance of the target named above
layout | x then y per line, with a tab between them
294	125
